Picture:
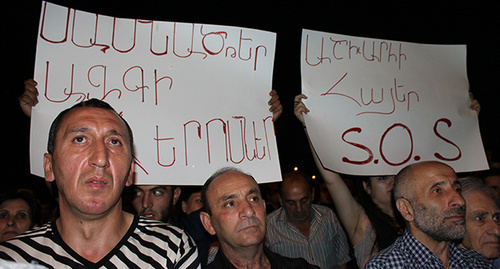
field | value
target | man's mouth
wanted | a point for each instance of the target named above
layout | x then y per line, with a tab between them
148	215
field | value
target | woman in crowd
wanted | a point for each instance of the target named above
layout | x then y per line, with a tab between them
373	223
18	213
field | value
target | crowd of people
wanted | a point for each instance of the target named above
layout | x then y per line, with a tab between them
423	217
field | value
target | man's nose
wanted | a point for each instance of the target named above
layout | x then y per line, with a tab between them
100	154
493	227
456	199
147	202
247	210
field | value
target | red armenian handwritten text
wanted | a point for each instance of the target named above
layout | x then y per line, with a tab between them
366	99
181	41
336	51
237	147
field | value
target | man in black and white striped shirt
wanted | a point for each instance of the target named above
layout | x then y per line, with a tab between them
90	159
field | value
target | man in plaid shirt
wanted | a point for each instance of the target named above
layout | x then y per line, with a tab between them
427	195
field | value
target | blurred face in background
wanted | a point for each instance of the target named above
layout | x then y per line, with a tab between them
155	201
494	183
193	203
482	225
15	218
296	199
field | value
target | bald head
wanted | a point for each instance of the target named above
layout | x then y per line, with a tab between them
405	179
213	177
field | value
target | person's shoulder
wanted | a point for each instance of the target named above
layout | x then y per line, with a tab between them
475	258
279	261
325	212
157	225
154	230
273	216
36	232
26	246
391	257
155	235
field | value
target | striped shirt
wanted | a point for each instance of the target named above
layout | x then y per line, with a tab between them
326	246
147	244
408	252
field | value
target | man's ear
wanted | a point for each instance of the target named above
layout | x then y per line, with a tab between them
367	188
207	222
183	206
406	209
47	167
176	195
130	177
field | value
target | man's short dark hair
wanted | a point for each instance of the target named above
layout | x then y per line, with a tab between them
96	103
218	173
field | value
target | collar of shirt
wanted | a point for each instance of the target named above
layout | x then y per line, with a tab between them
317	215
420	254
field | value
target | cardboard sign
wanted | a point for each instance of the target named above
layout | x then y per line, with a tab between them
195	95
379	105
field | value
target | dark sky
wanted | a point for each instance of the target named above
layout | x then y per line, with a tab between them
438	22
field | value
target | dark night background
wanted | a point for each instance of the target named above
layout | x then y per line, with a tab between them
475	24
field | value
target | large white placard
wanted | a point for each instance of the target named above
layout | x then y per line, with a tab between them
379	105
195	95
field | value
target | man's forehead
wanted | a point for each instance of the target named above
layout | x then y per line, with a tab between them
493	179
230	183
83	117
480	201
433	173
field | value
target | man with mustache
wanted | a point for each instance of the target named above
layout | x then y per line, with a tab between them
235	211
428	196
301	229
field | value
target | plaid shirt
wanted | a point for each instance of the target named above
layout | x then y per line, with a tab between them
408	252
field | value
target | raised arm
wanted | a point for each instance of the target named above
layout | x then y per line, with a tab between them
349	211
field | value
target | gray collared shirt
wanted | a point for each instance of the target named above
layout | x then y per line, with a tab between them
326	246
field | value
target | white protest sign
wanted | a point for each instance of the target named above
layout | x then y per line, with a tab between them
195	95
379	105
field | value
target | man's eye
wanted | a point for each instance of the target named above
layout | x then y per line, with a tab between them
479	218
137	193
79	139
229	204
115	142
157	193
198	201
4	215
255	199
